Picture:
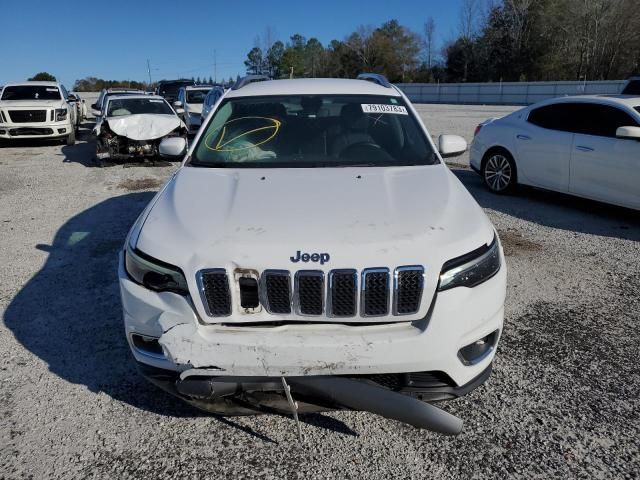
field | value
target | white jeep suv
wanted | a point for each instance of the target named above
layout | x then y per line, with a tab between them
314	247
36	110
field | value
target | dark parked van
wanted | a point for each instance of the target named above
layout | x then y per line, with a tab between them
169	88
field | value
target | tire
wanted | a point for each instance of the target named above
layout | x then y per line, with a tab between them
71	138
499	172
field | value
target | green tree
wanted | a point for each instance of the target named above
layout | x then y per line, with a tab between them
43	77
254	61
274	59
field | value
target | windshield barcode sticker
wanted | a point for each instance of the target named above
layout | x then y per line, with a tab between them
382	108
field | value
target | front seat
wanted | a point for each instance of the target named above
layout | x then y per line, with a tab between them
353	129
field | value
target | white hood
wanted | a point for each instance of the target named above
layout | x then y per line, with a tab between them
33	103
361	217
143	126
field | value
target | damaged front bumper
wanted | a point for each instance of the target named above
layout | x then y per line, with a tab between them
397	356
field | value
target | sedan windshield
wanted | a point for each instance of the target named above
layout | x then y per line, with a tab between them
196	96
31	92
133	106
313	131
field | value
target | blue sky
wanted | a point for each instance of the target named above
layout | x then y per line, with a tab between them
114	39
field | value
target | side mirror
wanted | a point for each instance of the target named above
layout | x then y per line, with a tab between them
172	147
96	113
451	145
95	106
629	133
179	111
72	98
177	104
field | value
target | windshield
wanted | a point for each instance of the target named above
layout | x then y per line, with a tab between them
196	96
31	92
637	109
313	131
171	88
133	106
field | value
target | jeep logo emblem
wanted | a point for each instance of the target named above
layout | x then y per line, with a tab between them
310	257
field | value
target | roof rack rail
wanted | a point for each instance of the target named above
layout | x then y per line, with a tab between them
375	78
249	79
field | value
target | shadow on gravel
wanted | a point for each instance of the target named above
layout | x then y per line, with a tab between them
69	314
556	210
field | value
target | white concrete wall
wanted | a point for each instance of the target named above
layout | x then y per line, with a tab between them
506	93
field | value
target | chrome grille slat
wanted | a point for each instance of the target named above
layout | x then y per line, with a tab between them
214	291
309	292
408	284
374	298
342	294
275	286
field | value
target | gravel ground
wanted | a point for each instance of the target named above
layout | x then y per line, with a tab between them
562	402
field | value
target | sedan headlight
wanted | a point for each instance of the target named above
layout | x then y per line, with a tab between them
154	274
61	114
471	269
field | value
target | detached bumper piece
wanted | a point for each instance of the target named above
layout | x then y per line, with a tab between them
401	397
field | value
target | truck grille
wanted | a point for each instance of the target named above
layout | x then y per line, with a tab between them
28	116
310	297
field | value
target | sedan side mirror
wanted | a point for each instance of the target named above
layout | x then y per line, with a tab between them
179	111
172	147
177	104
629	133
95	106
451	145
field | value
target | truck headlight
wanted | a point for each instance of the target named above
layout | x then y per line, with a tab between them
471	269
154	274
61	114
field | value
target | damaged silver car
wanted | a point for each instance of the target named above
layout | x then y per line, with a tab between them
133	126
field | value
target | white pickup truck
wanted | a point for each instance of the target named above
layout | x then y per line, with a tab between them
37	110
314	251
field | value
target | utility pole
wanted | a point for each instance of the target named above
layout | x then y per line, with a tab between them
215	67
149	71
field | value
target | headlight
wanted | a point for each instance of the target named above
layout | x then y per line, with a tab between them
154	274
61	114
471	269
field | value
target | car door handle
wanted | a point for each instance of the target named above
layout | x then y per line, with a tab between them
582	148
523	137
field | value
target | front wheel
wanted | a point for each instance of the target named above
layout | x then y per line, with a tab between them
71	138
499	172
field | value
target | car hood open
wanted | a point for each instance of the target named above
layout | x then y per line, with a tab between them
143	126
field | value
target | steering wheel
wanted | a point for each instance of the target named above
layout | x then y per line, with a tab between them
366	151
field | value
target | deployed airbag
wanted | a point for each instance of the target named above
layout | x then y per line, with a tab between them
144	126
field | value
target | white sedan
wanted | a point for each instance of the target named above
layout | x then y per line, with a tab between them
588	146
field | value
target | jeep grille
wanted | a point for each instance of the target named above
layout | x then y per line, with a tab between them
343	294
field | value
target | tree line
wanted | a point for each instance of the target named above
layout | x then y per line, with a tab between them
497	40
